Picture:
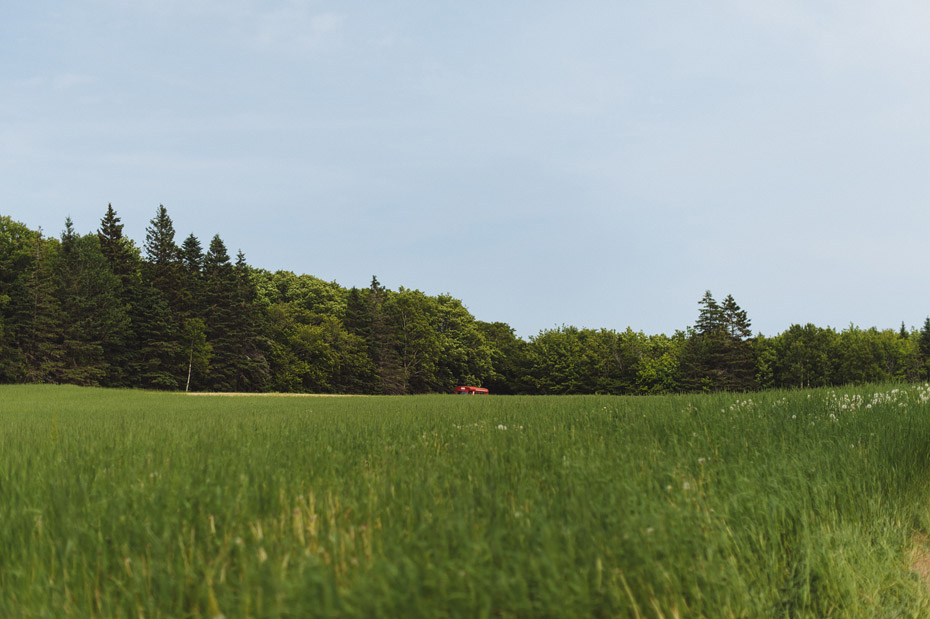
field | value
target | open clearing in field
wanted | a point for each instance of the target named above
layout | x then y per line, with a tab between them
129	503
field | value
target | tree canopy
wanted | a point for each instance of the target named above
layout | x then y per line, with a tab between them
96	309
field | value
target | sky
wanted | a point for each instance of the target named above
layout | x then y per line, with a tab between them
595	163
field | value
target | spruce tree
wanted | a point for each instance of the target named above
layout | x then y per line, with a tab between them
710	317
162	307
95	323
124	261
923	347
159	246
738	358
219	312
381	344
163	263
251	363
117	249
41	339
718	354
162	363
192	277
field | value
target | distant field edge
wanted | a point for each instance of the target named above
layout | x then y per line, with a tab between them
242	394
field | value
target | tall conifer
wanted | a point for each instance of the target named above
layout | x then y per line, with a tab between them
219	311
162	306
124	261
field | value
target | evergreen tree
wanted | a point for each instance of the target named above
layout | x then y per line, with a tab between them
124	262
381	342
162	363
162	305
358	315
163	263
923	347
710	318
41	338
95	323
192	258
357	323
116	248
160	248
718	354
192	255
252	372
738	358
219	311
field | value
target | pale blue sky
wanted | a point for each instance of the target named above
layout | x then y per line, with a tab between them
591	163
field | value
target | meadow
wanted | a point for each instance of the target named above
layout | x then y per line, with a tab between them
118	503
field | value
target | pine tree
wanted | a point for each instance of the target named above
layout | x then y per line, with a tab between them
162	363
710	319
95	323
192	255
160	248
923	348
734	319
381	343
163	263
251	364
41	339
124	262
192	276
357	323
162	305
219	312
117	249
738	358
718	354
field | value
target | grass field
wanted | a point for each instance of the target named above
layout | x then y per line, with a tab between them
139	504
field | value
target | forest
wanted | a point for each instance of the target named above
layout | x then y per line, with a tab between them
96	309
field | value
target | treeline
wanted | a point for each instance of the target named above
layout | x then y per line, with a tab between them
96	309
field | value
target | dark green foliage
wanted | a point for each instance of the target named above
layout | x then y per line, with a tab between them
124	261
162	354
93	310
719	354
192	258
17	258
382	347
42	317
163	268
923	350
219	298
95	324
119	251
509	363
160	249
250	362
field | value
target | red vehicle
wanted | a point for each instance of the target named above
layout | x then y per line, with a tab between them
464	390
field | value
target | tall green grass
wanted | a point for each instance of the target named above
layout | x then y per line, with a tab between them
788	504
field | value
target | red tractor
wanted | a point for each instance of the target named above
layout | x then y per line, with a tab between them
464	390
